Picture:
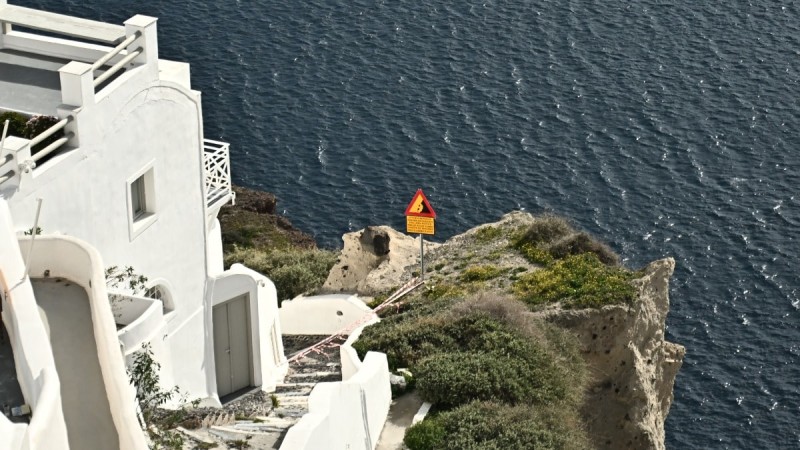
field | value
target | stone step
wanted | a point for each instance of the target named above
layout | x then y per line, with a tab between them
292	400
317	374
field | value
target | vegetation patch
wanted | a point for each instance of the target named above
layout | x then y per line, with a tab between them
579	243
550	238
480	273
488	234
293	270
577	281
25	127
487	348
543	230
497	426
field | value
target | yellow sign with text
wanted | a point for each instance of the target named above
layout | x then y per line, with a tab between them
420	225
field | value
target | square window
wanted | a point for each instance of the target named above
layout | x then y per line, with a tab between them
141	200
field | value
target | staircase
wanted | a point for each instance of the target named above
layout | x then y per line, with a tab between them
261	420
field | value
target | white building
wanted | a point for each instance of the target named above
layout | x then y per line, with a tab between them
133	182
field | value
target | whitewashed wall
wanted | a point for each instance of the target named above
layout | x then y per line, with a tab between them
269	360
347	414
75	260
321	314
137	121
36	370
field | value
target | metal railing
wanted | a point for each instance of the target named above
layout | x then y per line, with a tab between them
217	170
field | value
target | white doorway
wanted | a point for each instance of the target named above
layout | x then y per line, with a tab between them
232	353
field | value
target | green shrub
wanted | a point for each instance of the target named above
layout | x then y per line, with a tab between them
577	243
21	126
452	379
16	123
579	281
491	425
294	271
487	234
405	339
426	435
480	273
543	230
535	254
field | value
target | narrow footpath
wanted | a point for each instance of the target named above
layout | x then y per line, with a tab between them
66	314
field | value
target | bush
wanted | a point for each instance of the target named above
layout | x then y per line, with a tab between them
294	271
543	230
522	375
487	234
426	435
491	425
405	340
16	125
578	243
534	254
480	273
579	281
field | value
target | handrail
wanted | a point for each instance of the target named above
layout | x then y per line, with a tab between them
49	149
7	176
50	131
117	66
99	63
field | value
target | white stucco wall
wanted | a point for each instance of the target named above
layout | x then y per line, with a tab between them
137	122
322	314
346	414
269	361
75	260
36	370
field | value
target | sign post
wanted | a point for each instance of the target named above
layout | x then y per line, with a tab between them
421	219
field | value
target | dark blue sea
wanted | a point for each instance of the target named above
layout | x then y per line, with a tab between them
668	128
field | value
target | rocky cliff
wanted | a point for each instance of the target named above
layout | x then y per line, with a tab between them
633	368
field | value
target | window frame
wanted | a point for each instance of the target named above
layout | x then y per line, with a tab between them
143	183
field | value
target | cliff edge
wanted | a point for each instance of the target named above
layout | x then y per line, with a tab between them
632	367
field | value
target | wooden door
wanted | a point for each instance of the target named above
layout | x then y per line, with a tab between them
232	345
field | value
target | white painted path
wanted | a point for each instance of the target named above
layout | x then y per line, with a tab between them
64	308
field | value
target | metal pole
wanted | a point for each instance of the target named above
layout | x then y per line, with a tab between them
421	259
33	235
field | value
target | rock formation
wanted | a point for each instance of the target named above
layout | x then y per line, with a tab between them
374	260
633	368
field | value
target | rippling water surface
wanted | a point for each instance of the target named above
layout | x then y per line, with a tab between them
667	128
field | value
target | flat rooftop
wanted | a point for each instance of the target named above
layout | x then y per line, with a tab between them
29	83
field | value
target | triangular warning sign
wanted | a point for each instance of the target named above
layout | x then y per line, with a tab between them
419	206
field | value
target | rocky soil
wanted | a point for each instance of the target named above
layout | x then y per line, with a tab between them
252	222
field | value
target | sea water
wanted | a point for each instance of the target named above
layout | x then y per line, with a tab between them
665	128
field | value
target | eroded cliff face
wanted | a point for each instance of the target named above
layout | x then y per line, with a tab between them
634	368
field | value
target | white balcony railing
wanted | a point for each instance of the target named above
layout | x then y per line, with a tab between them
217	169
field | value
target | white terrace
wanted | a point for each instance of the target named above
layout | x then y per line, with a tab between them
65	76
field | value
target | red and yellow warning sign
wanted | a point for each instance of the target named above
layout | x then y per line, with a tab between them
420	225
419	206
420	216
